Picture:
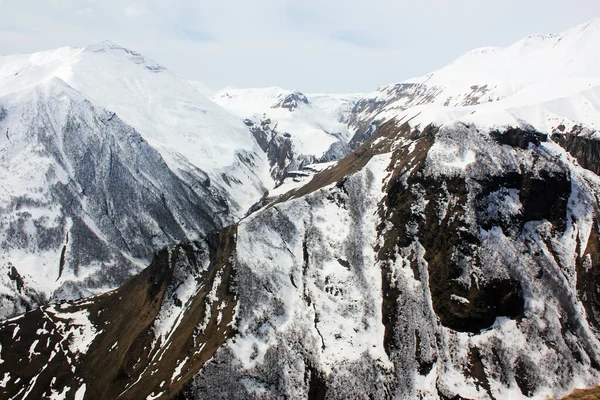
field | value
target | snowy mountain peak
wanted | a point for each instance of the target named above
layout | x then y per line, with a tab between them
252	100
573	52
134	56
104	45
179	121
312	128
593	24
547	80
291	101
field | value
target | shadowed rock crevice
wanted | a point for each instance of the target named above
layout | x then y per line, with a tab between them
317	384
279	149
546	197
451	251
477	371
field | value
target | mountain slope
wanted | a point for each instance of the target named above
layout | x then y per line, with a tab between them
85	198
545	80
189	130
113	345
428	272
107	157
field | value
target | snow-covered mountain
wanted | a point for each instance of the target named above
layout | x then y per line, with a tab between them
188	129
546	80
107	157
293	128
454	254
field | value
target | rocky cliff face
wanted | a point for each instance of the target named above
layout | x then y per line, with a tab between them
105	158
289	127
581	143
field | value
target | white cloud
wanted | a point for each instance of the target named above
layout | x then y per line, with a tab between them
134	11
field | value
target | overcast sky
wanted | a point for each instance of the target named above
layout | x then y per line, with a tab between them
308	45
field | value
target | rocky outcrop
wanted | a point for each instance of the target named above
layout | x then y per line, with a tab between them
365	112
581	144
279	149
471	273
291	101
374	110
520	138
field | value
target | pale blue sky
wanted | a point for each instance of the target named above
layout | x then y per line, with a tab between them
310	45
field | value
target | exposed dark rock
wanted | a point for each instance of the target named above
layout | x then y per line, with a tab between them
485	303
336	151
467	307
291	101
317	384
463	307
279	151
581	144
526	379
477	370
588	277
517	137
363	134
546	197
13	275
